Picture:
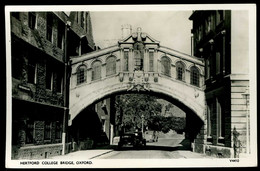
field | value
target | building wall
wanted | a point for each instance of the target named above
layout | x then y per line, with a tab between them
240	79
37	109
240	42
226	77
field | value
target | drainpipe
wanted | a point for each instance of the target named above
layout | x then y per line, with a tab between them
66	89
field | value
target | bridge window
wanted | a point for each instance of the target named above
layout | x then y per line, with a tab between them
81	74
166	66
96	70
180	71
151	59
111	66
194	78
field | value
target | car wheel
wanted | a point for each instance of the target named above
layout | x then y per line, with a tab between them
119	146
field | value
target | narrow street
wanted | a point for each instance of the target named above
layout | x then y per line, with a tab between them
169	146
165	148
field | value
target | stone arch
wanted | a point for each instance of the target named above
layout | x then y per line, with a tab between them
76	66
165	55
95	60
184	94
193	65
110	55
182	61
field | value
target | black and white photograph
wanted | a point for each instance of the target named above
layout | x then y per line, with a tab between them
131	86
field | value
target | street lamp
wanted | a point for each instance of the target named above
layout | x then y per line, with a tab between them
142	124
246	96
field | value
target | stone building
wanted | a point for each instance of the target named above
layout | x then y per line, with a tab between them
224	47
136	63
39	92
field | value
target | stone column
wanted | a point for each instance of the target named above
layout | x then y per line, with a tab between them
156	61
118	65
173	71
89	75
187	76
121	66
103	70
201	77
131	60
145	63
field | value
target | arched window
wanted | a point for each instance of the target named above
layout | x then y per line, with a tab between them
166	66
96	70
180	71
195	76
111	65
81	74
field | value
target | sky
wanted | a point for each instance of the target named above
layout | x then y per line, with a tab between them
171	28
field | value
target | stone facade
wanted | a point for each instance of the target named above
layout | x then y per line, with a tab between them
38	45
139	64
217	40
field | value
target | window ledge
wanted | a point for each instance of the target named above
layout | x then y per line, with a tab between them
221	141
47	141
220	144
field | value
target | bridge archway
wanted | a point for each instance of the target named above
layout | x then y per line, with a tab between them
147	75
178	92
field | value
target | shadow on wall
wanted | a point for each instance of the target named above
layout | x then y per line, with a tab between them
193	126
86	131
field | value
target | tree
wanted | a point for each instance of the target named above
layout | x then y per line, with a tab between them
167	108
131	107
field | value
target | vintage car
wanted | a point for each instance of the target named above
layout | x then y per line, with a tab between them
132	139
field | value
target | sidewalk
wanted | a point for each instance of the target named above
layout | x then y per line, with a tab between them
190	155
82	155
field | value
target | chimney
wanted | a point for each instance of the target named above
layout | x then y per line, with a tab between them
126	30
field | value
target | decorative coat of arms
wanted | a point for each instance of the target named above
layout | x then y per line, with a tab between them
138	83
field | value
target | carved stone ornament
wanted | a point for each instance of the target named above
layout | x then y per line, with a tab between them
138	83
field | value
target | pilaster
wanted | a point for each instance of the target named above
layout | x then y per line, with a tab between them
145	62
89	75
156	59
103	70
131	60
